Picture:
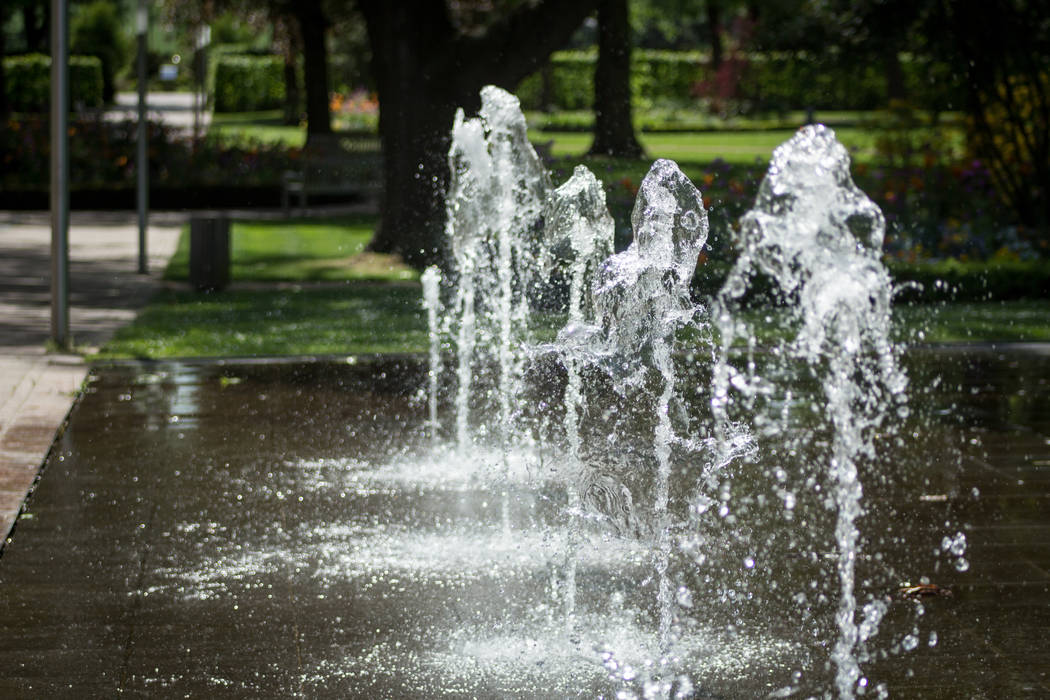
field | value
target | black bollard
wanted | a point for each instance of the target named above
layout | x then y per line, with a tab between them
209	252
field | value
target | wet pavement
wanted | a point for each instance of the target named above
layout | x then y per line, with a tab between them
38	387
282	529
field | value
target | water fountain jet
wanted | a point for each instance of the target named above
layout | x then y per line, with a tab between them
656	468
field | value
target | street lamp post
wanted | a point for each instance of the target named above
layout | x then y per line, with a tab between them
60	174
142	161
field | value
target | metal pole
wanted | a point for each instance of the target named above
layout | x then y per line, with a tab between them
142	161
60	174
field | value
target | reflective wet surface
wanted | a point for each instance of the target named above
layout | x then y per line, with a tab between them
275	530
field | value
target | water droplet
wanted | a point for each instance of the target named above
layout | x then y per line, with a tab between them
749	562
933	639
910	642
961	564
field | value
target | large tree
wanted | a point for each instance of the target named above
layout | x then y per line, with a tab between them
425	66
312	22
613	126
5	110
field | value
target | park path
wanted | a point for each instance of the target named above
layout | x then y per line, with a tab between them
37	387
173	108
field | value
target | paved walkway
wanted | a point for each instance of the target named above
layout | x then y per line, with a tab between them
176	109
37	387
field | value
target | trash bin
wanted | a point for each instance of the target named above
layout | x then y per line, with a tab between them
209	252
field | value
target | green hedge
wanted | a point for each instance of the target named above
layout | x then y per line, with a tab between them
926	282
953	280
783	82
248	83
764	82
28	82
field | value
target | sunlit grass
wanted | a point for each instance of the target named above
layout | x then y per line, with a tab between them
977	322
265	127
350	319
735	147
380	318
330	249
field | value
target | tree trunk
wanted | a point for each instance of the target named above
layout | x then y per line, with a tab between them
613	126
415	119
714	26
424	70
895	86
5	109
292	92
312	27
291	47
37	27
415	135
547	87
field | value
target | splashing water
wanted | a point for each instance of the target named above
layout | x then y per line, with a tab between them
815	239
431	281
830	377
579	223
497	194
641	300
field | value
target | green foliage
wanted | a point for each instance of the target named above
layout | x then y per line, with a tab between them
102	154
655	75
572	82
96	30
783	81
28	82
667	75
229	28
1009	134
757	82
245	83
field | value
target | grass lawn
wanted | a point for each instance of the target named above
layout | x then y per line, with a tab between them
736	147
739	141
388	317
330	249
267	126
988	321
302	320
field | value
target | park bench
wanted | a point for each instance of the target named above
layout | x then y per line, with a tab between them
333	168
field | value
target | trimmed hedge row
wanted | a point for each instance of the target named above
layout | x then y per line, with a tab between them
28	82
756	82
654	75
248	83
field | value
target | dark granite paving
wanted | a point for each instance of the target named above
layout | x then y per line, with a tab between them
220	530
